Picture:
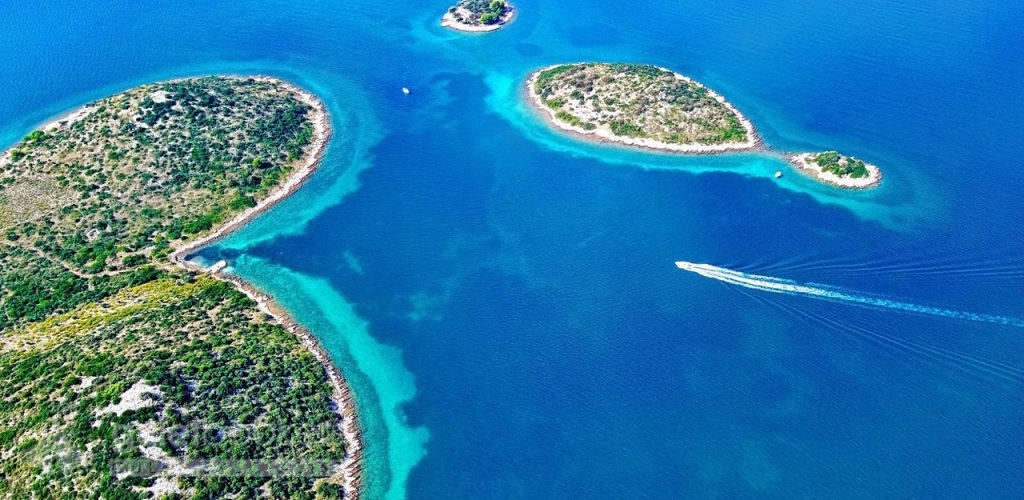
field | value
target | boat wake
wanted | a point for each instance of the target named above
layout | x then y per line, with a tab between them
790	287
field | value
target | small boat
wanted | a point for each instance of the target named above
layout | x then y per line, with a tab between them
778	174
405	90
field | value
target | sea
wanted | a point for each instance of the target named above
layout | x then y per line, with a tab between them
504	299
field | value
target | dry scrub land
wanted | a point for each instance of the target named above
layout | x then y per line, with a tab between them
108	353
639	104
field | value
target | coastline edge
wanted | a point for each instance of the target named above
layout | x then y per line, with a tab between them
754	143
799	163
342	395
448	21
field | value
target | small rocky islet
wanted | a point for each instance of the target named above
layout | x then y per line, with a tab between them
478	16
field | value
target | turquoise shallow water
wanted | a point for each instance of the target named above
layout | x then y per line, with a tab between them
504	301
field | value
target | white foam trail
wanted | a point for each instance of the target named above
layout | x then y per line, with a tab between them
790	287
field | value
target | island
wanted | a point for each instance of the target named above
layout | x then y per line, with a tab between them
640	105
650	107
837	170
478	16
128	371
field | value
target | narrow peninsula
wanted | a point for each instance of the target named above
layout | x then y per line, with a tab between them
838	170
129	373
640	105
478	16
654	108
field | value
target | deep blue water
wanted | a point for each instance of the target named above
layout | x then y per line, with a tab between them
504	299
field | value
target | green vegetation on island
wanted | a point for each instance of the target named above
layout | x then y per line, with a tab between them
640	104
482	14
111	355
651	107
832	161
149	168
837	170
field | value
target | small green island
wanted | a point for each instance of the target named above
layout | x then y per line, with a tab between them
640	105
111	354
838	170
478	16
651	107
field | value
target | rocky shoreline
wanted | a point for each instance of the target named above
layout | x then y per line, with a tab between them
350	472
800	162
448	20
754	144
